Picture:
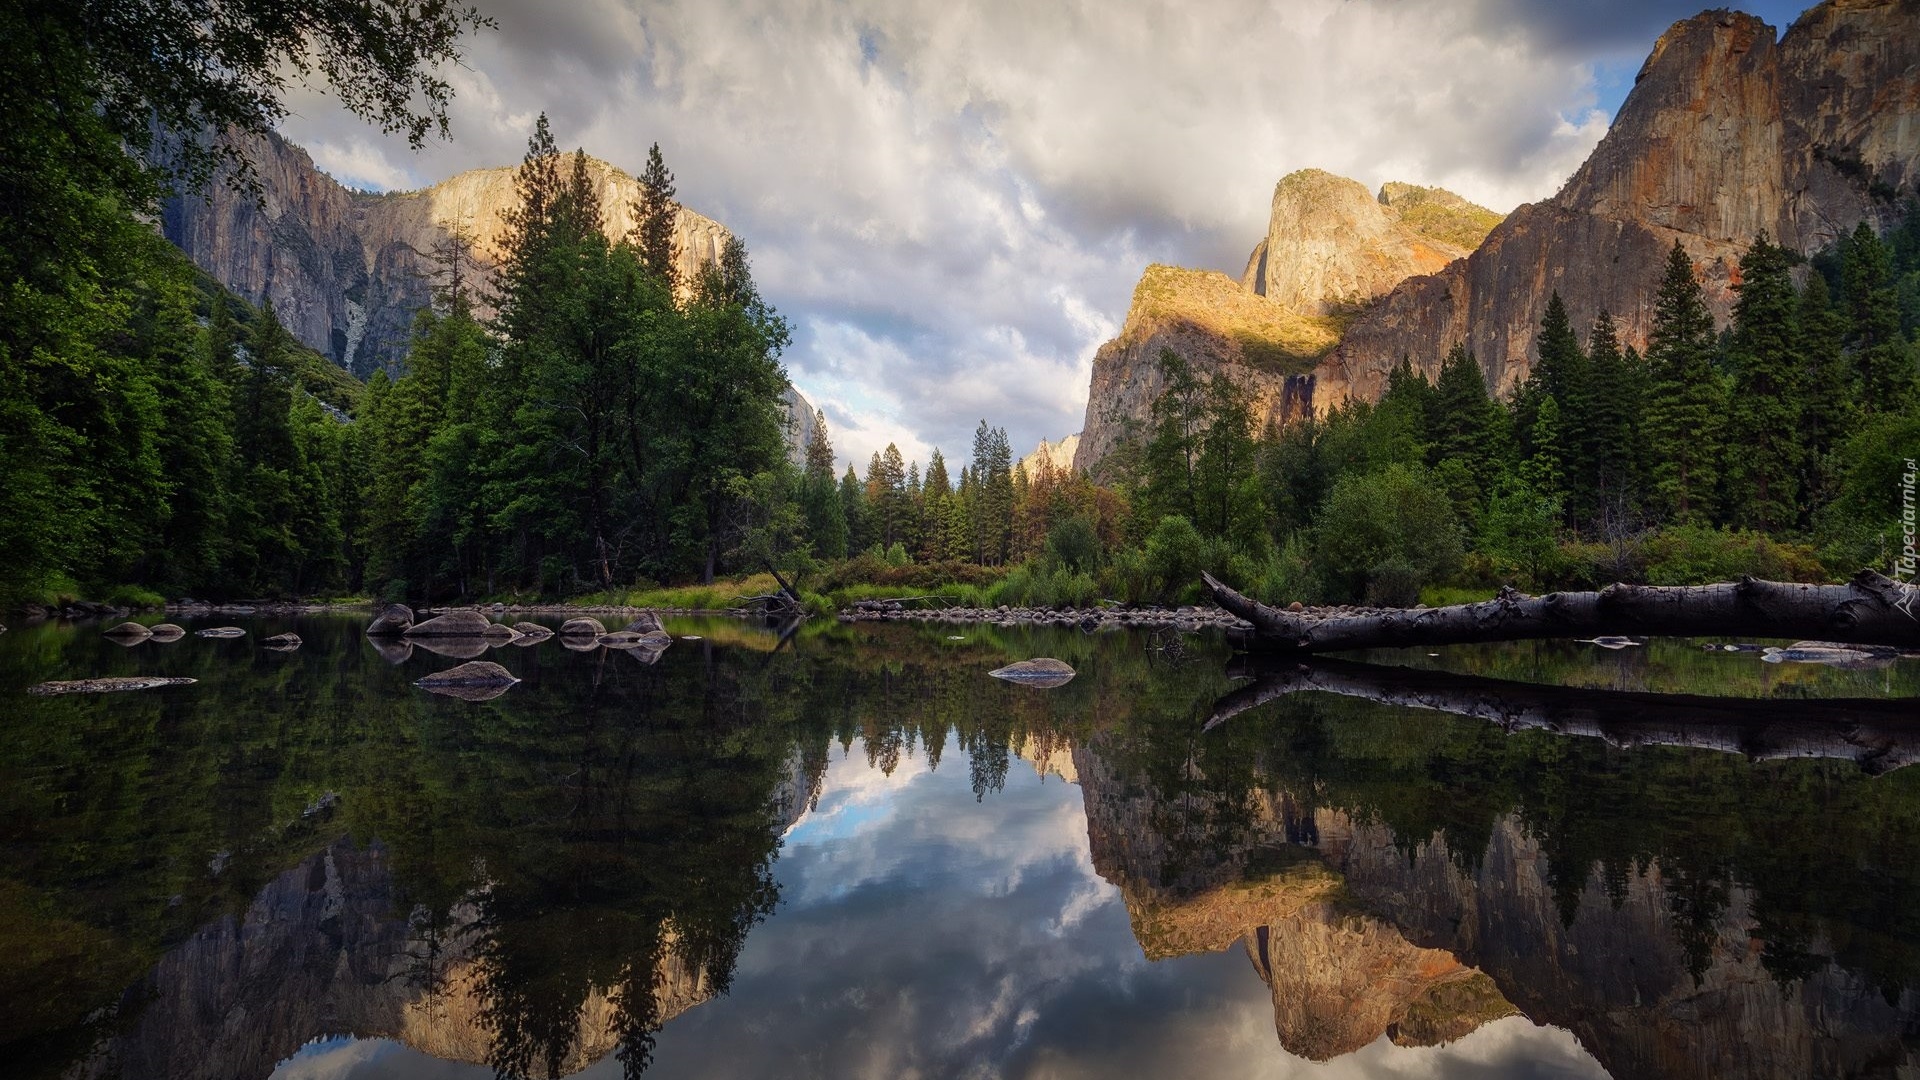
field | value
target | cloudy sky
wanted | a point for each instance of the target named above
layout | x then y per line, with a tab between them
951	201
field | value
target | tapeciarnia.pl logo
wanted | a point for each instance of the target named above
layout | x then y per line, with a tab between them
1906	566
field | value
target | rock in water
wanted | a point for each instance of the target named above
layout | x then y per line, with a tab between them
1042	672
460	648
646	622
452	624
478	680
220	632
499	633
105	686
530	633
1609	641
129	632
391	650
282	642
628	639
393	620
583	627
166	631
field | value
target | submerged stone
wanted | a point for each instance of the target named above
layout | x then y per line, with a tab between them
106	686
282	642
478	680
393	620
1042	672
166	631
220	632
129	632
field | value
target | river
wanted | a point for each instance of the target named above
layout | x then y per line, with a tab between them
850	852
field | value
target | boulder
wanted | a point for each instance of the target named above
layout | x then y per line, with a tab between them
220	632
644	623
282	642
166	631
530	633
582	627
1041	672
499	633
628	639
452	624
129	632
393	620
478	680
105	686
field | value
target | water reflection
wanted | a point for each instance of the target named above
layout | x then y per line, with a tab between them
847	849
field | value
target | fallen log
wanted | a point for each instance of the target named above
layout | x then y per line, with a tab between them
1871	609
1877	734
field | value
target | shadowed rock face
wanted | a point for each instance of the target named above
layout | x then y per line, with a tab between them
1357	937
348	270
1725	134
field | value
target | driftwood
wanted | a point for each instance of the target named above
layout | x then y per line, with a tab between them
1878	734
1870	609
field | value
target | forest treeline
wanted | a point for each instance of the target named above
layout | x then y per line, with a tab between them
579	421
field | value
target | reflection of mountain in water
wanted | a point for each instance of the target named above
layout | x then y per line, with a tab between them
1361	932
328	948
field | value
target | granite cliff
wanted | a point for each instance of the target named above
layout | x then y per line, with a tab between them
347	270
1331	249
1726	133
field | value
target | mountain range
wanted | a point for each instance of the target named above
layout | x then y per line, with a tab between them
1729	131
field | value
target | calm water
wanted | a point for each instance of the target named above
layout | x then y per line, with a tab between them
854	854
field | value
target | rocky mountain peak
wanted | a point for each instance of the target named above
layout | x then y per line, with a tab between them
1332	246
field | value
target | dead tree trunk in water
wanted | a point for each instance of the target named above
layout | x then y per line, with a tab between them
1871	610
1878	735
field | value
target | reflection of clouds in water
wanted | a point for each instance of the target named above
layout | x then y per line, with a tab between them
924	934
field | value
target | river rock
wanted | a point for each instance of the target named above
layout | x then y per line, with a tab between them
220	632
281	642
129	632
166	632
393	620
460	648
1041	672
452	624
582	627
392	650
106	686
646	622
478	680
530	633
628	639
499	633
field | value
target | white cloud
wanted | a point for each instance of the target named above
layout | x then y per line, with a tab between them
973	188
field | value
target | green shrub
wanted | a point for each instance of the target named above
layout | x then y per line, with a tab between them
1393	513
1075	543
1175	554
1125	577
1694	555
133	596
1393	583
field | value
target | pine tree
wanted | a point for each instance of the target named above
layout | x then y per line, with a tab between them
991	510
1880	351
820	450
1763	464
654	217
1614	426
853	508
1563	374
1830	401
1686	398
